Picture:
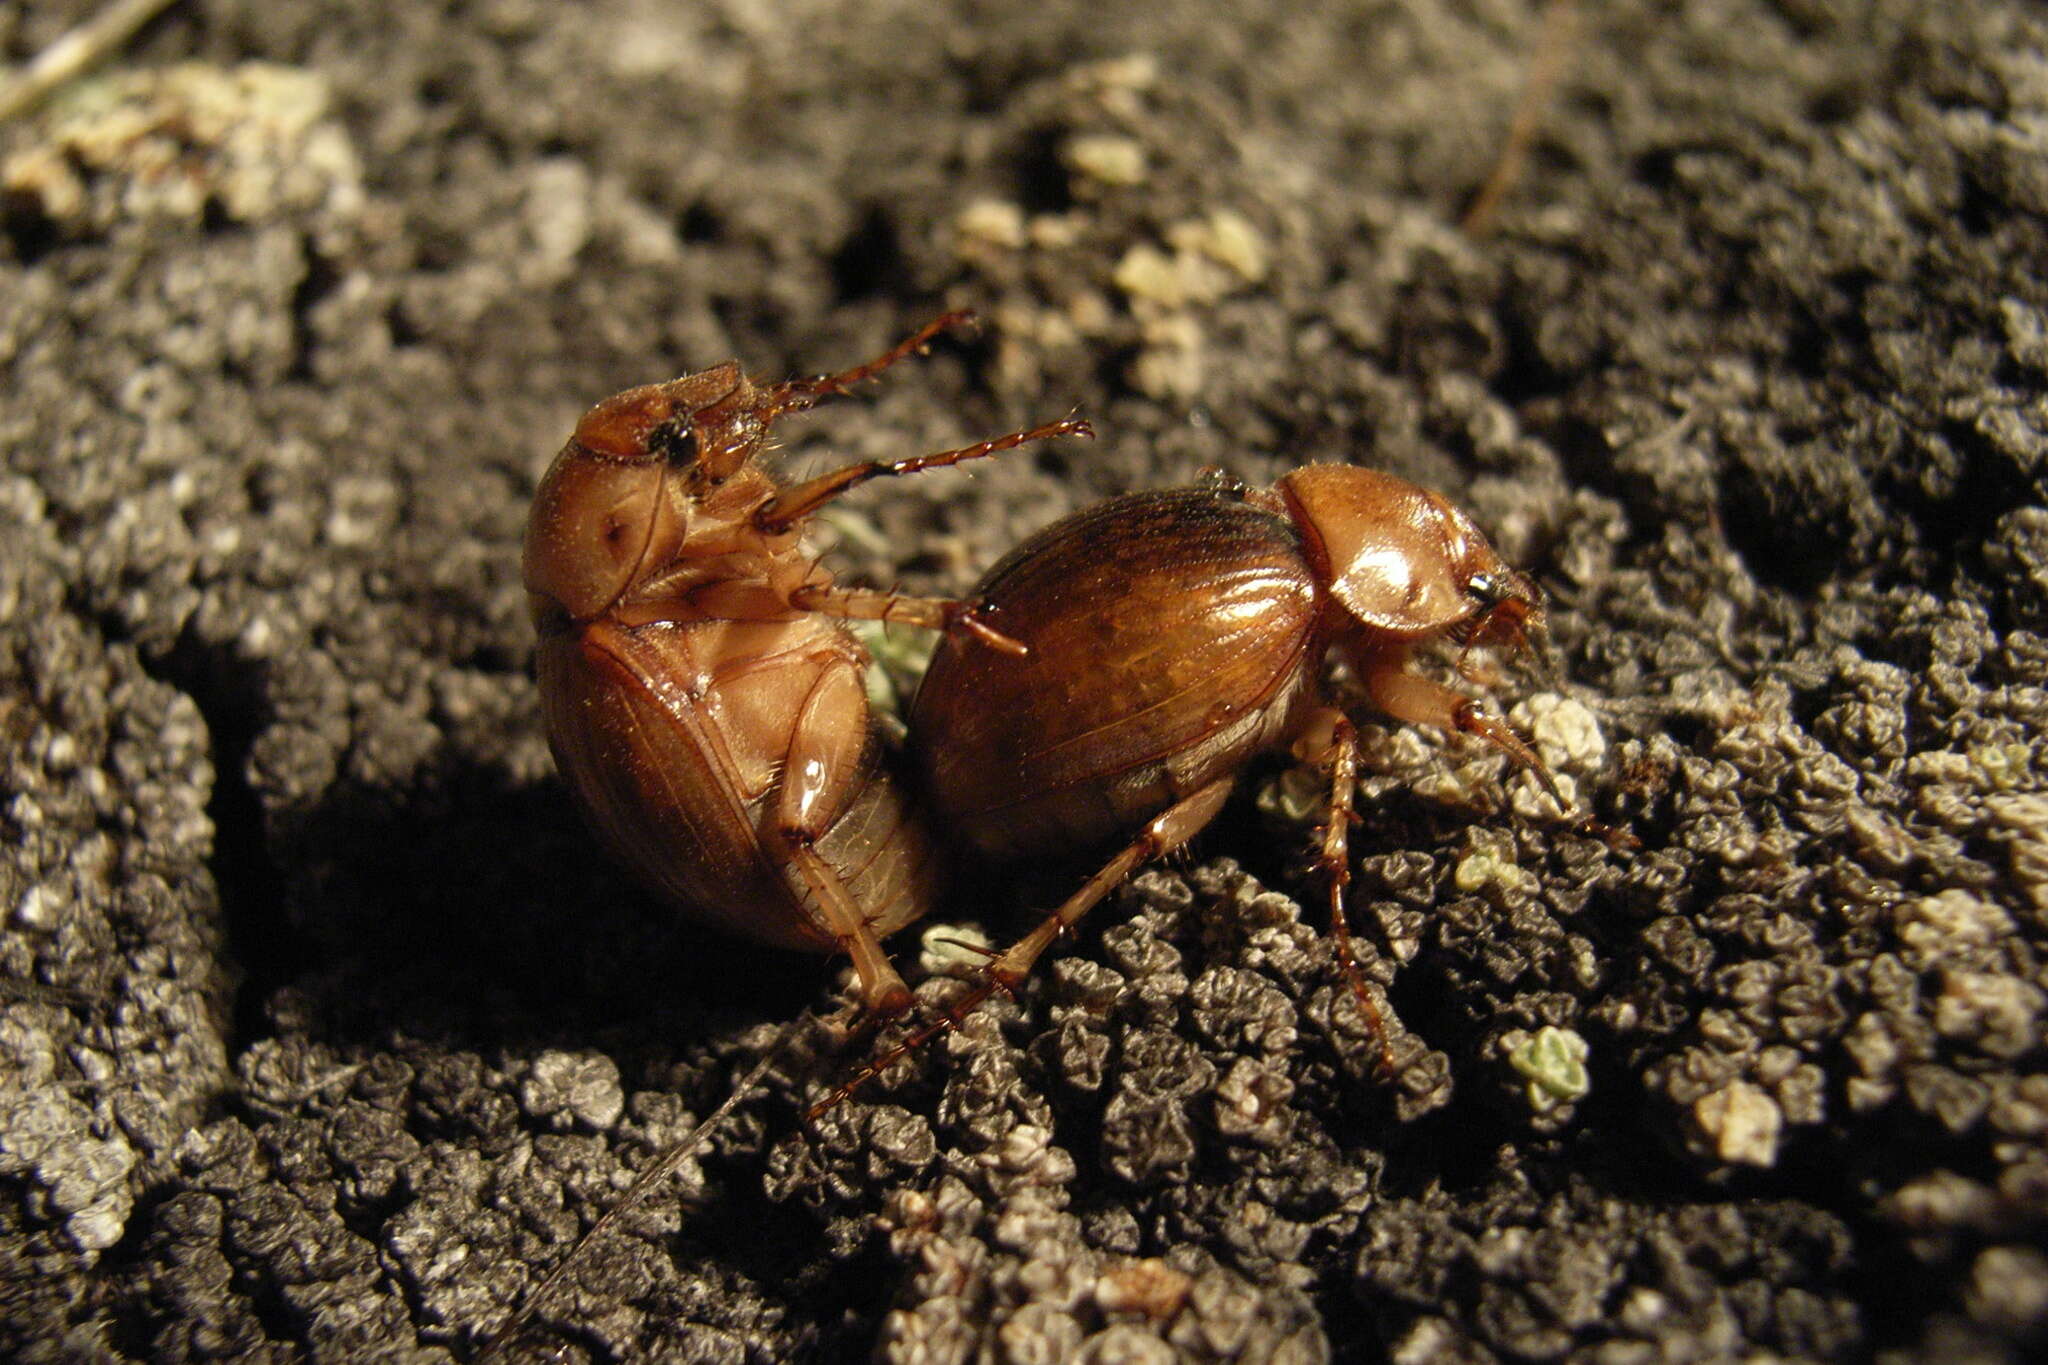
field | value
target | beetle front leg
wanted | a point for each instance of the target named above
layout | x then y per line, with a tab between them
932	613
1419	701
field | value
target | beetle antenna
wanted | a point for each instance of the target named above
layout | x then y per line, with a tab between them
792	505
1553	49
799	395
670	1162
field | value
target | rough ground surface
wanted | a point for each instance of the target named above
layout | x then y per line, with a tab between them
325	1029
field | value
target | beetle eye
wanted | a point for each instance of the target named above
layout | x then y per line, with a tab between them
1484	589
676	443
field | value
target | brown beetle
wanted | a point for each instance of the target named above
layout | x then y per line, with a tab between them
1175	635
703	701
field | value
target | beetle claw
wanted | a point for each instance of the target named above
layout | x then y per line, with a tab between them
967	617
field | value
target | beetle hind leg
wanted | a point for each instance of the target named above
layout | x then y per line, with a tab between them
826	759
883	994
1164	833
1161	835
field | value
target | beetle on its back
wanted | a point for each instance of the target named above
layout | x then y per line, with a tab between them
702	699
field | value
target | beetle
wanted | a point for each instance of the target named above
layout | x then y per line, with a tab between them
701	694
703	699
1172	637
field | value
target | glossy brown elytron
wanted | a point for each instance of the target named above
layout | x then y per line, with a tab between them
703	700
1194	615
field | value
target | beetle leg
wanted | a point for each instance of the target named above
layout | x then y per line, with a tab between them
792	505
881	984
1419	701
799	394
932	613
814	771
1334	862
1161	835
951	1018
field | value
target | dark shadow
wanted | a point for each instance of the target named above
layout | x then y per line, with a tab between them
479	909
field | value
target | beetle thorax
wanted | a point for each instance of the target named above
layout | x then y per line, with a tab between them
1397	559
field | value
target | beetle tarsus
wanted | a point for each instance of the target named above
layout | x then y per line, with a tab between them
949	1020
968	618
929	613
1473	718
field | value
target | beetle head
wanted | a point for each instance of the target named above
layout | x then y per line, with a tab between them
1404	561
1510	610
616	502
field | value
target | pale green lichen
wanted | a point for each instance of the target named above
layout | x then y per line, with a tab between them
1295	796
1950	921
952	949
897	658
251	142
1553	1061
1227	238
990	223
1147	273
1132	73
1564	731
1212	257
1738	1124
1490	861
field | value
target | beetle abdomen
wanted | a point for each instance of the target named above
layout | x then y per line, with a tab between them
1169	637
890	864
649	725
